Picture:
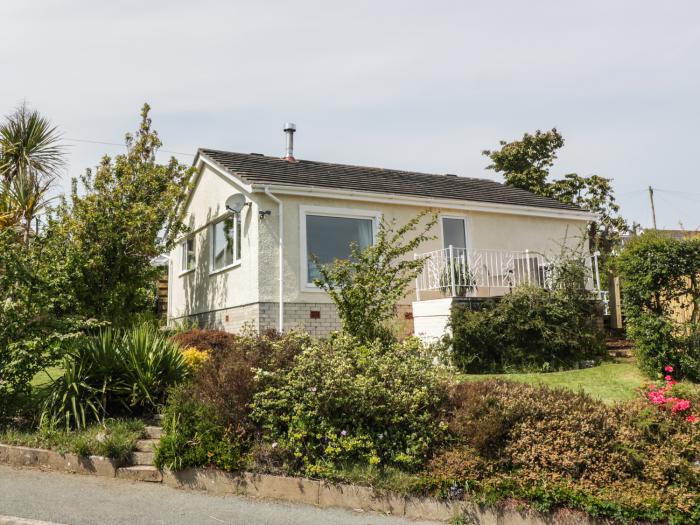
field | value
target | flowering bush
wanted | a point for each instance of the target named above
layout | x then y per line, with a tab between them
664	398
194	358
630	461
344	401
207	421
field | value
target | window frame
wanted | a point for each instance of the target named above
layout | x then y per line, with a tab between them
463	218
237	224
347	213
184	269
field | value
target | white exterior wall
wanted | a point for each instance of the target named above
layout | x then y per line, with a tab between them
485	231
250	289
201	291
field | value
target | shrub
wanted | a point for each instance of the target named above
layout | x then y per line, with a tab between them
367	286
531	329
194	438
661	292
226	381
194	358
116	372
559	448
207	423
206	340
343	401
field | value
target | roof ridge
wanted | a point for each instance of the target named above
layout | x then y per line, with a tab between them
359	166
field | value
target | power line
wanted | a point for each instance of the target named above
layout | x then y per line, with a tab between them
87	141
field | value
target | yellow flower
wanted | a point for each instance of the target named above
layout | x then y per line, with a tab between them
194	358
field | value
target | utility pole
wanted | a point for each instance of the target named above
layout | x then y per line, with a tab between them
653	210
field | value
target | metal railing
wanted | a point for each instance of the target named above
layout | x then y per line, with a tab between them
458	272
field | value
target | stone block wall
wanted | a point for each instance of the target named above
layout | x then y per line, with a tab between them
318	319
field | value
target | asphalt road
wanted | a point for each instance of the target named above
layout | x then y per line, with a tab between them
86	500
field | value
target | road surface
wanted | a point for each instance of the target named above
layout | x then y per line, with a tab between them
87	500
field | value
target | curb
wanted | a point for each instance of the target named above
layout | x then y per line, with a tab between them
294	490
11	520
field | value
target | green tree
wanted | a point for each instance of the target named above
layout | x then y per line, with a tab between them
366	287
34	325
526	164
128	211
661	283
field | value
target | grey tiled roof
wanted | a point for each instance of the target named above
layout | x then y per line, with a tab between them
254	168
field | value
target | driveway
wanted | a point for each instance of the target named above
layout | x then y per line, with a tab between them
86	500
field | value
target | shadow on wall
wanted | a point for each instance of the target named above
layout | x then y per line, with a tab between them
206	294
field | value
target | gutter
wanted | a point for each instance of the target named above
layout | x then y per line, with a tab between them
280	218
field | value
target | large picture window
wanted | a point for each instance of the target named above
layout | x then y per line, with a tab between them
226	242
330	237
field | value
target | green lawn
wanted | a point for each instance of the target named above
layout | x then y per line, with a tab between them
44	377
608	382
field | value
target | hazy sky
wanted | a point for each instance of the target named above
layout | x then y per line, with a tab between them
423	86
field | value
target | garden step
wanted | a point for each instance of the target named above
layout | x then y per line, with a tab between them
146	445
140	473
142	458
154	432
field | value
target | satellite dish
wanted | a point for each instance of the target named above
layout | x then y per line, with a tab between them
235	203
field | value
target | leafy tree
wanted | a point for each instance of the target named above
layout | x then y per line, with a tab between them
30	156
129	210
33	326
526	164
366	287
661	282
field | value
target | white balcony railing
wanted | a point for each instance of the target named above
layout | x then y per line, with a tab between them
457	272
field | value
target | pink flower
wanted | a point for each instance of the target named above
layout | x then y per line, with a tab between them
681	405
656	397
668	368
692	419
274	445
668	378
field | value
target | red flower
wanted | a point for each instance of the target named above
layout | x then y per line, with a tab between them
680	405
668	368
668	378
657	397
692	419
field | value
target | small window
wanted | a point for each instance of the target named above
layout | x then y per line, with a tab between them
226	242
188	257
330	238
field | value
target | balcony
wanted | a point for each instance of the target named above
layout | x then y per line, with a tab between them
458	272
453	273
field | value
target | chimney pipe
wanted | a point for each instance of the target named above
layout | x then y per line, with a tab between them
289	129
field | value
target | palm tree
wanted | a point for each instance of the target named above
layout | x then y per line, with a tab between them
30	156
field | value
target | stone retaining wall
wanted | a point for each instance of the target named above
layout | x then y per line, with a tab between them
299	490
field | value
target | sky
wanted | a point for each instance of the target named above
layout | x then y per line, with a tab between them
415	85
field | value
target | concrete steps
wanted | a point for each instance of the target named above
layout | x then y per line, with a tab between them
154	432
146	445
141	468
142	458
140	473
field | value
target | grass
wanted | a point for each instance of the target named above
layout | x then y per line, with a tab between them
46	376
608	382
116	439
